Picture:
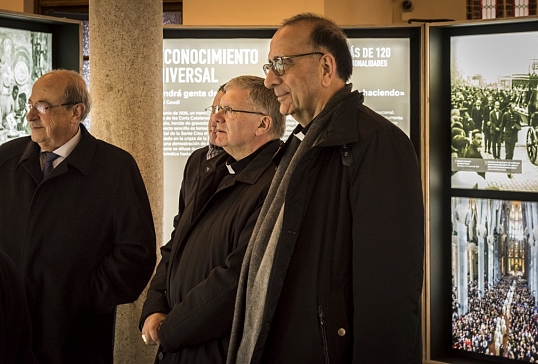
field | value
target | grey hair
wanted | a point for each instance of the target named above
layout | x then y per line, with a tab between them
262	98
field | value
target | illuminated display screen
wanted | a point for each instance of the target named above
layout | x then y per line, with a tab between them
483	182
495	277
24	57
494	148
195	67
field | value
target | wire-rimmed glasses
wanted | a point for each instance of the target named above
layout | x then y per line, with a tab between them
228	111
43	107
278	66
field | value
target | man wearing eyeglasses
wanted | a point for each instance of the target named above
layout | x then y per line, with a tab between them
190	301
333	271
76	220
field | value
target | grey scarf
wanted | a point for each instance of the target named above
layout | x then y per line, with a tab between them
258	261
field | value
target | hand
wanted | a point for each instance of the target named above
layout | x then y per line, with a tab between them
150	330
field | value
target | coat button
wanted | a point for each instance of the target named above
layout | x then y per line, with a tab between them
341	332
160	356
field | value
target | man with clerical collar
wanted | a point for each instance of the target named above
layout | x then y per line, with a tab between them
190	301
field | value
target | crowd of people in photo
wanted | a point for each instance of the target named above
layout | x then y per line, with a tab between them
13	96
493	113
504	322
482	120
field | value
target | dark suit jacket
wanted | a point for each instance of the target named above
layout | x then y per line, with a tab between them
510	126
486	111
473	152
495	121
478	116
83	240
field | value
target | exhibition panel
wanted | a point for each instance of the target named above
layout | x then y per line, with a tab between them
29	47
196	61
482	192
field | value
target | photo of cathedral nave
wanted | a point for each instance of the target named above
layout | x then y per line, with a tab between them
495	277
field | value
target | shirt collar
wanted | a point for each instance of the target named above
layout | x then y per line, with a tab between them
68	147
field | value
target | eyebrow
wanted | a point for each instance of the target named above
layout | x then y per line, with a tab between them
43	101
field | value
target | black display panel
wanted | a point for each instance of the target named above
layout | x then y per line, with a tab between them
29	47
387	68
482	202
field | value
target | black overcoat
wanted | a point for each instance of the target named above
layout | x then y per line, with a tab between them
15	326
196	280
346	280
83	240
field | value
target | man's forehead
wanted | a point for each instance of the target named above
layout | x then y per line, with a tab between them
289	39
233	94
217	98
46	92
49	85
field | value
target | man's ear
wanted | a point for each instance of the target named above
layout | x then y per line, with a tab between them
328	69
264	126
78	110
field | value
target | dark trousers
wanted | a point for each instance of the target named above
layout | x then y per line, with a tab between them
496	145
509	146
487	139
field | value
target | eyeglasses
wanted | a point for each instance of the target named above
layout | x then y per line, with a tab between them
44	108
277	63
228	111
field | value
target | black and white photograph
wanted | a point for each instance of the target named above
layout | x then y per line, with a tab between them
493	119
495	277
24	57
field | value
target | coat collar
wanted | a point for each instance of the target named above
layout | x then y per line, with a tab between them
256	167
342	112
343	128
80	157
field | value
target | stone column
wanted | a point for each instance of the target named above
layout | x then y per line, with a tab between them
126	87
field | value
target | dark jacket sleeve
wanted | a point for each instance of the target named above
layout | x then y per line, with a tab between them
388	246
156	300
206	312
123	274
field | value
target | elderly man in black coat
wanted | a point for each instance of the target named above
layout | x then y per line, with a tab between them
76	220
334	269
189	307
